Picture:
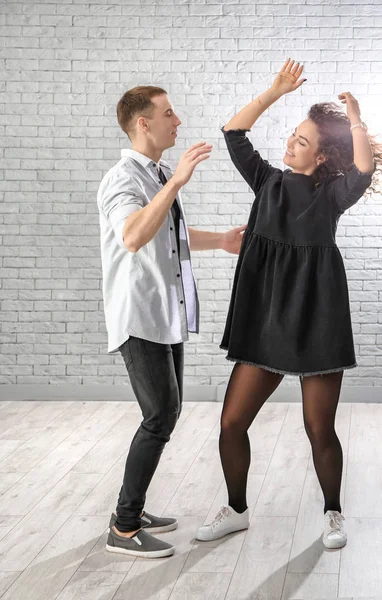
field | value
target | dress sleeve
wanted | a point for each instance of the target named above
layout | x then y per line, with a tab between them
346	190
120	199
254	169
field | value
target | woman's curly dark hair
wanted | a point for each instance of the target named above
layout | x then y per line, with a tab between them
336	142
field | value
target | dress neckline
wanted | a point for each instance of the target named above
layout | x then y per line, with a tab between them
289	171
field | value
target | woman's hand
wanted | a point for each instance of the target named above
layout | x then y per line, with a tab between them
287	79
352	107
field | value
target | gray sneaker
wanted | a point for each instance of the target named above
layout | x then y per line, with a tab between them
151	523
140	544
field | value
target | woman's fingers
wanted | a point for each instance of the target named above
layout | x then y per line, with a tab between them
295	68
292	67
346	97
283	68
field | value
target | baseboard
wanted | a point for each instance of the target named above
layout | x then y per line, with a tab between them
195	393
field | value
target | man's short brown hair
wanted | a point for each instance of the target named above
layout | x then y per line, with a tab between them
136	101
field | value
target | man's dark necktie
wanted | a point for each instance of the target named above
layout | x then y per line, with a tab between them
174	210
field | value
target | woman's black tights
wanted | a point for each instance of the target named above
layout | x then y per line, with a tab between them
248	389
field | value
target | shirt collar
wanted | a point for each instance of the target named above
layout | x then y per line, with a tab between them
144	160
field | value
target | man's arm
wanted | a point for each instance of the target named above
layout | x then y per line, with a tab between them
204	240
141	226
230	241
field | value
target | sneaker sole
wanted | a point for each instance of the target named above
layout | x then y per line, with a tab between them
163	529
218	537
155	554
334	545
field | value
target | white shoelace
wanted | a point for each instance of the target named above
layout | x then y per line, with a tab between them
222	514
334	522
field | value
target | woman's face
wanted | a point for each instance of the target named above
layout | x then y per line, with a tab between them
302	154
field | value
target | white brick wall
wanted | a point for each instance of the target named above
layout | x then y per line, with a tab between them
64	65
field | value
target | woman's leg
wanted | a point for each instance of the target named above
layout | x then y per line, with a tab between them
248	388
320	400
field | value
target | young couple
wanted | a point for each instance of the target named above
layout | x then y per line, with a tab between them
289	310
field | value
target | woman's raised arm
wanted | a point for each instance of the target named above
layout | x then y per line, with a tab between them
287	80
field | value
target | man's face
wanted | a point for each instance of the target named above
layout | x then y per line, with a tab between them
161	129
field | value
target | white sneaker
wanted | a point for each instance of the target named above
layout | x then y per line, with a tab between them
334	534
226	521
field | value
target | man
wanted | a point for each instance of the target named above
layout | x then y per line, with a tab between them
150	297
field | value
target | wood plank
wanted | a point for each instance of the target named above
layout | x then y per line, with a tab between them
14	412
72	417
7	480
361	559
200	485
31	488
281	493
30	453
308	554
100	560
211	586
189	438
264	434
101	421
364	479
155	579
220	556
92	586
310	585
30	535
365	434
102	500
112	446
6	580
7	524
263	560
363	487
51	570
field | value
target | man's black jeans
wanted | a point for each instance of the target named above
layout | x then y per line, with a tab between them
156	376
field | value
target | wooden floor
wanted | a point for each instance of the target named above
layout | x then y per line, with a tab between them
61	465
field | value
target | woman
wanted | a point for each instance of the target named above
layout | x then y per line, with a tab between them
289	310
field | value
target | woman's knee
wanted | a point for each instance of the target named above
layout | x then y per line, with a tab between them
232	425
320	434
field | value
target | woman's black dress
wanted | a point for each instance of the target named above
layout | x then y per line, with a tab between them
289	310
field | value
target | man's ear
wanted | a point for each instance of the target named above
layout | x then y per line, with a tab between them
142	124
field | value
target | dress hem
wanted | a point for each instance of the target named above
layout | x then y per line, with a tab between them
280	372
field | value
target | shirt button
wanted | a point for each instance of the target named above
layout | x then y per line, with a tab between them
173	251
181	301
171	228
178	275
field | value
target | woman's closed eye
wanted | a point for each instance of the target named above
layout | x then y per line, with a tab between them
301	144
